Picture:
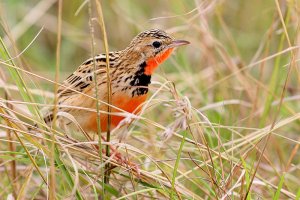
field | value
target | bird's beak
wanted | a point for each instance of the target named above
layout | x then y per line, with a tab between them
177	43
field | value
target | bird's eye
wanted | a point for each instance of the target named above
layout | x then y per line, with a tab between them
156	44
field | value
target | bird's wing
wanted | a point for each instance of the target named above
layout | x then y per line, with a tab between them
83	78
77	88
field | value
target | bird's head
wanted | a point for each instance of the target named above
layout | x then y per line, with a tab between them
153	47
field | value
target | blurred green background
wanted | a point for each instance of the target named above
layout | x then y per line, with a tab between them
244	22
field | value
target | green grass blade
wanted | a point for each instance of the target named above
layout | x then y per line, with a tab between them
276	77
279	187
16	76
177	164
247	177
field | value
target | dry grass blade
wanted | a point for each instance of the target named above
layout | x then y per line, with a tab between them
108	82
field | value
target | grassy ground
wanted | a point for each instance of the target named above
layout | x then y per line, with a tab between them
222	120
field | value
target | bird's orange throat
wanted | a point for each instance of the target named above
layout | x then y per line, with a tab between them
153	63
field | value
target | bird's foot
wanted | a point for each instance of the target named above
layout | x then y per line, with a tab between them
115	154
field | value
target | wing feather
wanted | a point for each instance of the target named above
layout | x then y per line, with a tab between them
82	81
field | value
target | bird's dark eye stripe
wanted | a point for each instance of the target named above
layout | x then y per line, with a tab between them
156	44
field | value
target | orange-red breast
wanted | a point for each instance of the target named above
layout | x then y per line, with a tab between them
130	74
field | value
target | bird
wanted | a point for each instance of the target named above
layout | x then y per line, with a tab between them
130	74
